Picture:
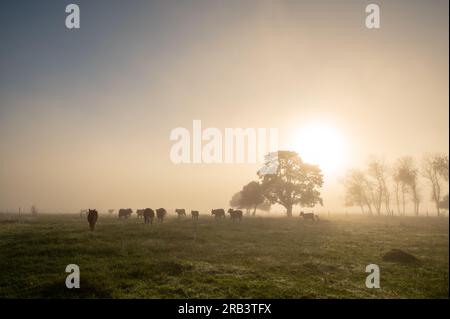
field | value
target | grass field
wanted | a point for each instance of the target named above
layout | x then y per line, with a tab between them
257	258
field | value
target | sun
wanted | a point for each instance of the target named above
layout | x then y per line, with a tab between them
322	145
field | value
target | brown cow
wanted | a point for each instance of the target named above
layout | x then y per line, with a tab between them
235	214
181	212
218	213
160	214
140	213
125	213
310	216
149	215
92	217
194	214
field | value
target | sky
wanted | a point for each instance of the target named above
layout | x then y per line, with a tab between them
86	114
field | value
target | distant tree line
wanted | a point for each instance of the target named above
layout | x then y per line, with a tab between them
373	188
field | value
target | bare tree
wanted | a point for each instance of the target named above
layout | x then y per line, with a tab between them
358	190
435	170
397	181
377	175
406	181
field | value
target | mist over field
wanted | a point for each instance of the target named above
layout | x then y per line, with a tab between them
224	149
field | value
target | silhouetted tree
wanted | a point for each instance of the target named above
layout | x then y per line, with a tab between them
294	182
251	197
377	175
435	169
406	179
407	175
358	190
235	201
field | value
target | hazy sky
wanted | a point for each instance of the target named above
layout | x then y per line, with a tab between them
85	115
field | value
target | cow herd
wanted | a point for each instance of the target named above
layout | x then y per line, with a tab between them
149	214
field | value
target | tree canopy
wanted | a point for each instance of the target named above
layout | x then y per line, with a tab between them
294	182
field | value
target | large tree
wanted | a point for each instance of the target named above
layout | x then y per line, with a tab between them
294	182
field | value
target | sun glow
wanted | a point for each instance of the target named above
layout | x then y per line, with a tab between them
322	145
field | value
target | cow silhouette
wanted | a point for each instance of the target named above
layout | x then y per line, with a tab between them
218	213
140	213
194	214
92	217
149	215
309	216
181	212
125	213
235	214
160	214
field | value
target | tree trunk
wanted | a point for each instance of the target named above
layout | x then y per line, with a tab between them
289	210
397	197
403	200
254	211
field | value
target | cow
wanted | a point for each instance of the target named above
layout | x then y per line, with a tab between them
140	213
218	213
149	215
194	214
181	212
160	214
92	217
310	216
110	211
125	213
235	214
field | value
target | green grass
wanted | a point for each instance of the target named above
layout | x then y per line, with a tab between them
257	258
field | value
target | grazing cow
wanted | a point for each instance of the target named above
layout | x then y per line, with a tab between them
310	216
125	213
218	213
160	214
235	214
149	215
181	212
194	214
92	217
110	211
140	213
